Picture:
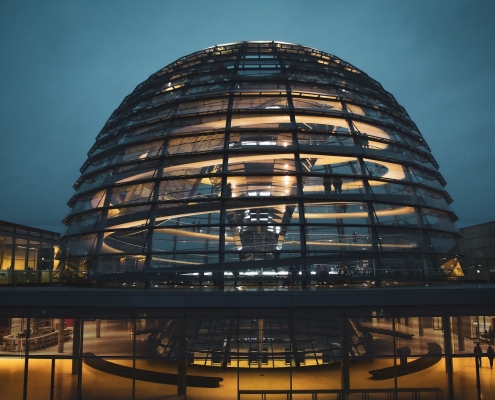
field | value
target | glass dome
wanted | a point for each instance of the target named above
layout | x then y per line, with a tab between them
257	158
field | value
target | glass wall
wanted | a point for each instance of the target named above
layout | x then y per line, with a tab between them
141	354
27	255
253	154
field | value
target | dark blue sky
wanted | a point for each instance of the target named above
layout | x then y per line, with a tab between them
65	66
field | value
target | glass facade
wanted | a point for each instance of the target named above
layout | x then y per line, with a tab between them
307	353
27	254
254	157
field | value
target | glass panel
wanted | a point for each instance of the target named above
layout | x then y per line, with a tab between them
39	379
107	264
312	141
89	201
369	112
264	354
12	376
260	122
443	242
268	103
98	384
302	88
393	239
387	214
265	88
438	220
107	337
373	131
197	124
341	213
131	194
125	241
432	379
384	169
203	106
188	189
117	217
20	254
83	223
425	178
6	247
464	378
317	104
65	382
324	124
259	141
432	198
195	144
81	245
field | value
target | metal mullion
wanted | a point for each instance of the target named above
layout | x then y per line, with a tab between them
148	247
369	195
421	227
225	165
297	162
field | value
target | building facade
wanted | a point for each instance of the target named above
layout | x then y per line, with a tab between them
478	247
295	183
27	254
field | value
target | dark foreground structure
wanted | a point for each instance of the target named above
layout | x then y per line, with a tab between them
257	220
73	343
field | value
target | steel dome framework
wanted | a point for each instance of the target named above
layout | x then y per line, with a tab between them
256	156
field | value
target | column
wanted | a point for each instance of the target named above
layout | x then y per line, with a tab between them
182	359
60	335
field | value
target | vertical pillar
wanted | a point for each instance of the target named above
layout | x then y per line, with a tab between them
396	345
447	333
98	328
478	382
460	336
134	327
421	324
261	329
26	358
79	360
60	335
303	265
76	346
345	376
182	359
52	380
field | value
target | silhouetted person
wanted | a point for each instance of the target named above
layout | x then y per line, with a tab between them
327	184
364	140
318	270
293	274
478	353
337	184
491	355
354	237
228	190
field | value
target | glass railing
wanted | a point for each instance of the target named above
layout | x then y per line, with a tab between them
279	278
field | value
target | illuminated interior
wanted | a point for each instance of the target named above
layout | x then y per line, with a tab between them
258	151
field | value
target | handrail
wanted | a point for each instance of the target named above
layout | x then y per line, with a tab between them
340	392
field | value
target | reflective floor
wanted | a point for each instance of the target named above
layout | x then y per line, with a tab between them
99	385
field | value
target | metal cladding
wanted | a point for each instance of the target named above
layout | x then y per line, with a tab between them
259	155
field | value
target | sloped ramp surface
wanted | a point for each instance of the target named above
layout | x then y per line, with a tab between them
165	378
